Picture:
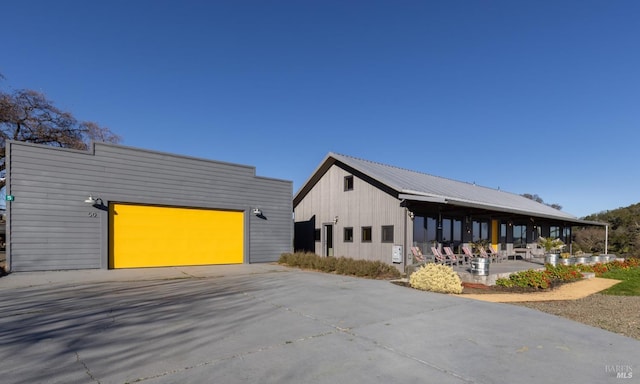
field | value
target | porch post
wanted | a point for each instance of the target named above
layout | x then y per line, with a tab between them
404	241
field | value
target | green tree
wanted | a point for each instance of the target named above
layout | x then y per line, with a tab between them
624	230
538	199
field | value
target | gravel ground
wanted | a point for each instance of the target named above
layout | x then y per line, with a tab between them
619	314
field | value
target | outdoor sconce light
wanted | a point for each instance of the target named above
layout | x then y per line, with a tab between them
257	212
335	220
412	215
93	201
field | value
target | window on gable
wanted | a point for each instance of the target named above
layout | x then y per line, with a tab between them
387	233
348	183
366	235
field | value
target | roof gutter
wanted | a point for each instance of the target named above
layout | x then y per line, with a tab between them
428	199
471	204
521	212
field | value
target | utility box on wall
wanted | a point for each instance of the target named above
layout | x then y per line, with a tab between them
396	254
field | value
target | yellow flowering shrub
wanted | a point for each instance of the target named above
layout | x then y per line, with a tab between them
436	278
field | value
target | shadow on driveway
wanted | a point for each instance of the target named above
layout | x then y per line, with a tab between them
276	325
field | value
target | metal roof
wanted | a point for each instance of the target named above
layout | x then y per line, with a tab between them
412	185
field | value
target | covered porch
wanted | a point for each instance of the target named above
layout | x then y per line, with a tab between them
512	233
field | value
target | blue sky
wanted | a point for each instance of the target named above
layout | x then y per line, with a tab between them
539	97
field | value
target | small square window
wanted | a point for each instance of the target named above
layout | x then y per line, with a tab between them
348	234
316	234
348	183
387	233
366	234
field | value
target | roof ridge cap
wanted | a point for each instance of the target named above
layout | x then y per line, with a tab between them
414	171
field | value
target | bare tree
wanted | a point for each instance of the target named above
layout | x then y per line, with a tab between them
590	239
27	115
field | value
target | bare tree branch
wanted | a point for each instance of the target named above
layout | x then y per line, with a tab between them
27	115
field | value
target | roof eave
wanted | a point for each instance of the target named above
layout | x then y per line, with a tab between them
472	204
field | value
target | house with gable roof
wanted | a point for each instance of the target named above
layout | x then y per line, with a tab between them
366	210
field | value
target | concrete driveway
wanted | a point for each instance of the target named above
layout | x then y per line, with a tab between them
270	324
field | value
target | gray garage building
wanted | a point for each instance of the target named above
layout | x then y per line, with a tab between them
120	207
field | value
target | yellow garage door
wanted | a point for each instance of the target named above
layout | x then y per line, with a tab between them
147	236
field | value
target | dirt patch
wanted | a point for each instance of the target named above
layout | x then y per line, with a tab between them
619	314
476	288
567	291
578	301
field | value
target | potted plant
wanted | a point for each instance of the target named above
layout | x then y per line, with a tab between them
582	258
479	245
552	248
566	259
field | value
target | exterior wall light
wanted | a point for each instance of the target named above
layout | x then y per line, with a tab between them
412	215
335	220
90	200
95	201
257	212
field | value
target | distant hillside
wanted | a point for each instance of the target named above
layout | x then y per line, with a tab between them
624	232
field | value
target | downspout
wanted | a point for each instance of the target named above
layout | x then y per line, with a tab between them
606	239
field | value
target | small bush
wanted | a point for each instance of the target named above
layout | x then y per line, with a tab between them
526	279
602	268
563	273
436	278
551	276
340	265
328	264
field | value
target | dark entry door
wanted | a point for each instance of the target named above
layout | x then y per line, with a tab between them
328	240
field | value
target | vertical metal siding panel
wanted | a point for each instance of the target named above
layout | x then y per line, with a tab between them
51	227
306	208
317	202
272	235
365	205
42	175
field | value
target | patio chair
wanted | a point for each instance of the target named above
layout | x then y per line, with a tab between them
495	254
458	259
440	258
467	253
417	255
483	253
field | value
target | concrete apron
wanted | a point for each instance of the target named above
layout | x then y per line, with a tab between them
271	324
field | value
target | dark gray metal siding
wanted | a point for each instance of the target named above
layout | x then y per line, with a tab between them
51	228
